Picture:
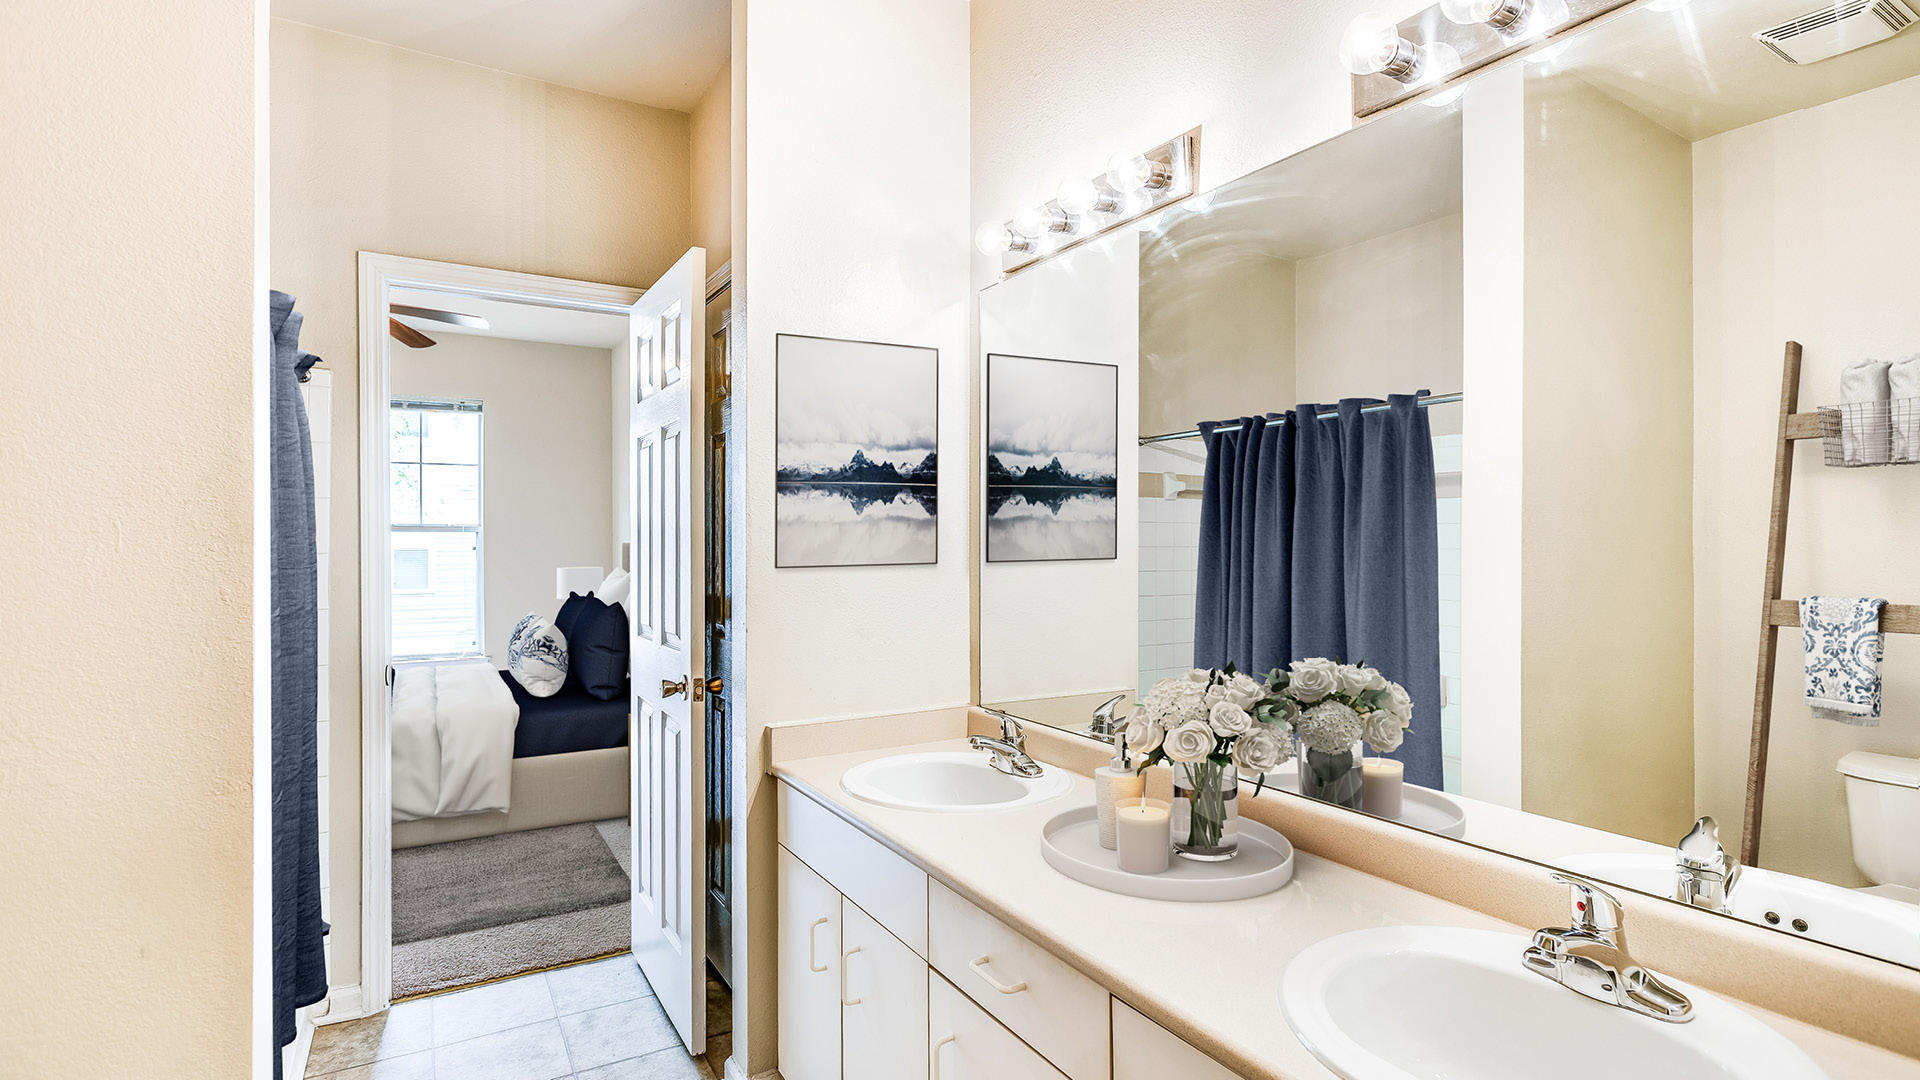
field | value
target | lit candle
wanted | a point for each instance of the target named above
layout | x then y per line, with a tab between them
1143	834
1381	786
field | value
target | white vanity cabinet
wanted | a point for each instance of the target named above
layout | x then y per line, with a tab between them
885	974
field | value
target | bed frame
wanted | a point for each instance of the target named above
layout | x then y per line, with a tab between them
554	789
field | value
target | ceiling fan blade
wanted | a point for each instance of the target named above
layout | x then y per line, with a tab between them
441	315
407	335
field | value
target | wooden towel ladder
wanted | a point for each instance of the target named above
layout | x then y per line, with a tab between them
1776	612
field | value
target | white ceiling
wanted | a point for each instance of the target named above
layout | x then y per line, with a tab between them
515	322
656	52
1696	70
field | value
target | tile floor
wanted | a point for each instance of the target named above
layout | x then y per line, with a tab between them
593	1021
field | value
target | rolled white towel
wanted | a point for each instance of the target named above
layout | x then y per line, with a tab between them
1903	380
1864	389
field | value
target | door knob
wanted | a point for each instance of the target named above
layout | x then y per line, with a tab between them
715	685
669	689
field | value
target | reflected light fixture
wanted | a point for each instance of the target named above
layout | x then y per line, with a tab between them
1132	186
1372	45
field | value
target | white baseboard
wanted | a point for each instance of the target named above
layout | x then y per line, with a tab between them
343	1003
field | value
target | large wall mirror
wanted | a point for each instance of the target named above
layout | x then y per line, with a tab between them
1591	263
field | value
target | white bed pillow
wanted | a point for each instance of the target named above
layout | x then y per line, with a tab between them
537	655
615	588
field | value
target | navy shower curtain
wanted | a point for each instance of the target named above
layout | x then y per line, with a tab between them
299	964
1318	537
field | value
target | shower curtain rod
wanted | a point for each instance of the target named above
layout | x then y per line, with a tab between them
1429	400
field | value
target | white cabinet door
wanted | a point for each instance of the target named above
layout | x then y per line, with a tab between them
964	1043
809	975
883	1016
1143	1050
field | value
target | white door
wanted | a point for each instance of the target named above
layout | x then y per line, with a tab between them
809	973
668	394
883	1025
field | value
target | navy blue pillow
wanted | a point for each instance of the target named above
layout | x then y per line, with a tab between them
596	647
570	610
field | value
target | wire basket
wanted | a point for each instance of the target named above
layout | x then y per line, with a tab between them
1863	433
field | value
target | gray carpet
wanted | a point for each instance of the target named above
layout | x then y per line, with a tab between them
487	908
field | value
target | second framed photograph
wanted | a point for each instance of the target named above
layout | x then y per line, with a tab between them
1053	450
855	452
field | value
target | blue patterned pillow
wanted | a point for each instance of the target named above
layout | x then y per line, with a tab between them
537	655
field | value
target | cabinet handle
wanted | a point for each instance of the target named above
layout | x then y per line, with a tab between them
845	957
813	965
934	1059
980	968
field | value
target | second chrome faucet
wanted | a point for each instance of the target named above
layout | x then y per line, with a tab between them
1590	957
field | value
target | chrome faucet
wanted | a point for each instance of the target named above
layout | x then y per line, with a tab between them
1707	871
1103	726
1010	749
1590	958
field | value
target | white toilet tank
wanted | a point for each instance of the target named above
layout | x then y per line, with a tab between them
1883	806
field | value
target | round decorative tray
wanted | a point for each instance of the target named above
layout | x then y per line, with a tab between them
1421	807
1071	844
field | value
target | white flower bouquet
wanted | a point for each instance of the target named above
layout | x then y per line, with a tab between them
1341	706
1210	725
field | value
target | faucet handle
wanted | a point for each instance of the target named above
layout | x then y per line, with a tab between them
1104	711
1701	850
1010	728
1594	909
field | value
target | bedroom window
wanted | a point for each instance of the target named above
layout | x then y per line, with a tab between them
435	492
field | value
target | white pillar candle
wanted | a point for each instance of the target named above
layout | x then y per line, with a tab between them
1381	786
1143	835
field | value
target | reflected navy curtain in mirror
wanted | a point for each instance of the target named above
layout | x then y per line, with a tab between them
299	963
1319	537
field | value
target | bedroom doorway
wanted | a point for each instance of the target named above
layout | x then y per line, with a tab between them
499	833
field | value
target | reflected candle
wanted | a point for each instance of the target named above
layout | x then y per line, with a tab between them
1143	835
1381	786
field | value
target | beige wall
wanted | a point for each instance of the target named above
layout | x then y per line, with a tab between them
855	225
1216	337
381	149
1606	572
1803	231
126	429
546	462
710	137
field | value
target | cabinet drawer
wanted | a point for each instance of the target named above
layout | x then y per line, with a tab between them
1057	1010
886	886
967	1044
1143	1050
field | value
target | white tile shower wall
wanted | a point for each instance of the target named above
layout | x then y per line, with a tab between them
318	391
1446	467
1169	553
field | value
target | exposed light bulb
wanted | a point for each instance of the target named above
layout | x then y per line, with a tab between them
1127	173
1039	220
1079	197
1372	45
993	239
1506	16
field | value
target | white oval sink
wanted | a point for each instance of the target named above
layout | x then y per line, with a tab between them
948	780
1435	1003
1850	918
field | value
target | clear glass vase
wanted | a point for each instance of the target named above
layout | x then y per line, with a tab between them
1206	810
1330	776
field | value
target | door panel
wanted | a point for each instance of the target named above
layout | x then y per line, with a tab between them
809	973
669	865
964	1043
883	1018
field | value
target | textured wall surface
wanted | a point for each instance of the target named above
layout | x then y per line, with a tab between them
381	149
126	525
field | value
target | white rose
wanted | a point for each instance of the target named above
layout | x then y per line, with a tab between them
1357	680
1228	720
1313	679
1200	675
1189	742
1143	734
1244	691
1399	702
1215	695
1261	750
1384	731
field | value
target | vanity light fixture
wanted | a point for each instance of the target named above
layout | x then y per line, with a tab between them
1392	62
1131	187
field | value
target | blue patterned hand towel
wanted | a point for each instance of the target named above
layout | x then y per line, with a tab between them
1844	647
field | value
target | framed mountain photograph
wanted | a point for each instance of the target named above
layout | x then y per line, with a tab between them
856	435
1053	450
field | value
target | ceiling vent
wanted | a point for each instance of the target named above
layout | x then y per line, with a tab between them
1837	28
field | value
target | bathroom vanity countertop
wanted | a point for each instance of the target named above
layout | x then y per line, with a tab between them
1230	955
